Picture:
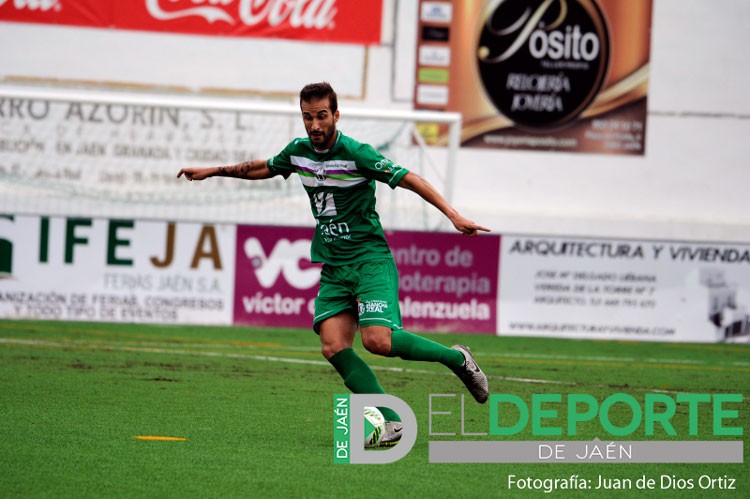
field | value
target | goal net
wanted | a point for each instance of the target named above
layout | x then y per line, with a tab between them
113	154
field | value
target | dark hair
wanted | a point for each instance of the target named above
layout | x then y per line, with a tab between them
317	91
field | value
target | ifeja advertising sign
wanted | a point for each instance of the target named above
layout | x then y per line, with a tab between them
551	415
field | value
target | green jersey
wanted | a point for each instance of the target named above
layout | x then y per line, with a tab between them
340	182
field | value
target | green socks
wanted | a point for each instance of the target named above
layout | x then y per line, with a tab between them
359	378
412	347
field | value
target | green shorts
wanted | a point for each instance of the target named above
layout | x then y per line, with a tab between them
369	289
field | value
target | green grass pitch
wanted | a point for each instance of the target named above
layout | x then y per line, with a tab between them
254	408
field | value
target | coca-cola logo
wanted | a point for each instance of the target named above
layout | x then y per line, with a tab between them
332	21
309	14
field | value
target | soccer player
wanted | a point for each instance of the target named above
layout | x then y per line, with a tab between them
359	280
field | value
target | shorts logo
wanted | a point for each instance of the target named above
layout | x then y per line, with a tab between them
372	306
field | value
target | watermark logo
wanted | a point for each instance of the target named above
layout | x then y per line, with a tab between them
349	429
551	416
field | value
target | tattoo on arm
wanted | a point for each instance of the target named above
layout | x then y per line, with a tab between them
244	169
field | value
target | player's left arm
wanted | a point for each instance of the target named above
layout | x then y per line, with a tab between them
426	191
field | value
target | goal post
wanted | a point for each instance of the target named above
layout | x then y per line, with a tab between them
84	152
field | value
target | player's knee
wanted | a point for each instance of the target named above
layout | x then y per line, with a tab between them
330	349
379	344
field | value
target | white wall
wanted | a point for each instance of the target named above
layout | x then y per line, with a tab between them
692	183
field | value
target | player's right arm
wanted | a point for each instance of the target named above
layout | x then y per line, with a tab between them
256	169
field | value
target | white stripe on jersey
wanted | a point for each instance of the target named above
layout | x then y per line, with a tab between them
317	173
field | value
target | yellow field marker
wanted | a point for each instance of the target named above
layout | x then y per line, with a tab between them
164	439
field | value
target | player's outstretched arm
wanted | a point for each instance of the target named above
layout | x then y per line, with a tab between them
251	170
415	183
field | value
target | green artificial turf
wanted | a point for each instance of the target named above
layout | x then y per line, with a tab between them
255	410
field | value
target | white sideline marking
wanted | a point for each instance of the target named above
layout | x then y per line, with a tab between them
585	358
289	360
267	358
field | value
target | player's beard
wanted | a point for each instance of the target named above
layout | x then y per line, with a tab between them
322	138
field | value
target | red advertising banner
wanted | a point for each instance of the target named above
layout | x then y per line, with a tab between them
275	283
339	21
447	282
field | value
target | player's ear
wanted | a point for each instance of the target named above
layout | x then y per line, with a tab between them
336	116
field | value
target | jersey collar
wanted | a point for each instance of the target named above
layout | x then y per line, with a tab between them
324	151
